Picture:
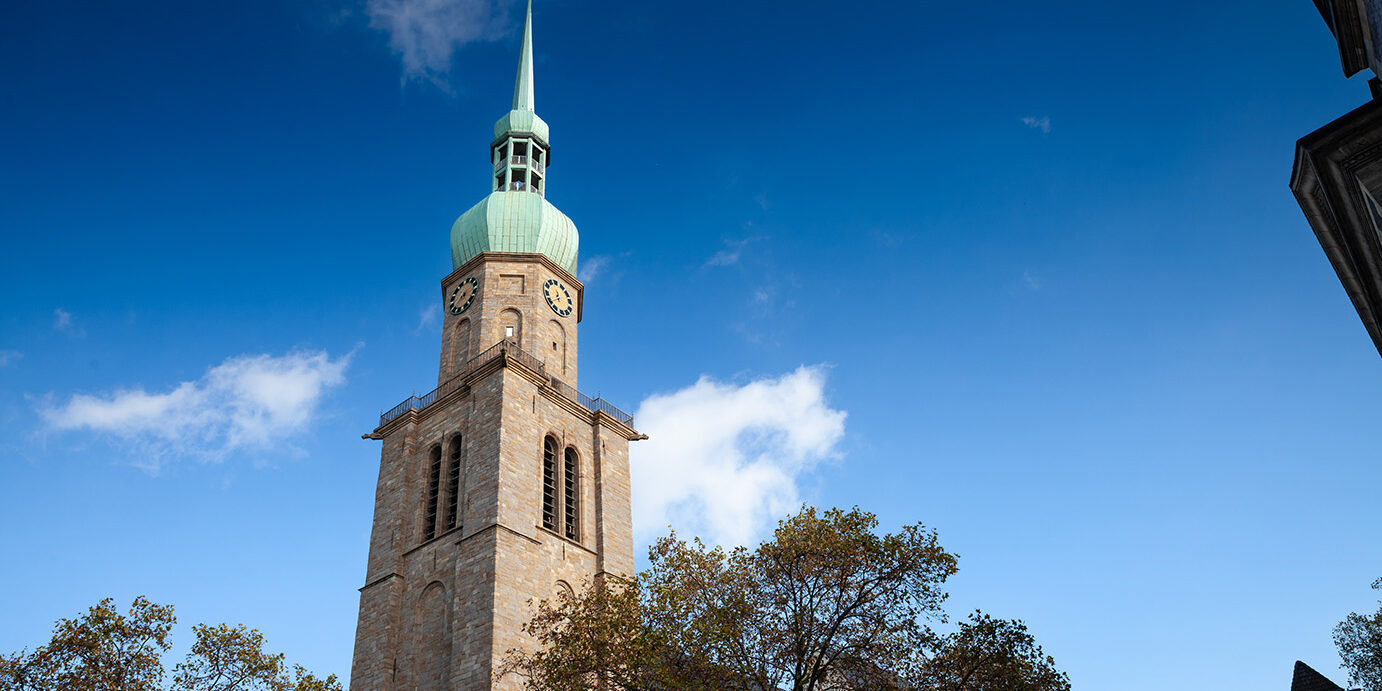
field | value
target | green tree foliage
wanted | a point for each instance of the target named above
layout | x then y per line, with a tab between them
1359	640
827	604
109	651
988	654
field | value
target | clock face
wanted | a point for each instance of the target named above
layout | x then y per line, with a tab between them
462	295
558	297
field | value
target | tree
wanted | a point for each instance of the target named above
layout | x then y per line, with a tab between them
1359	640
826	604
988	654
107	651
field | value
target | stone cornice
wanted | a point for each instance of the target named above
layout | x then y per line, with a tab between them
565	539
379	580
543	384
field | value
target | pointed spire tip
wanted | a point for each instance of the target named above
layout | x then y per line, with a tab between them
523	85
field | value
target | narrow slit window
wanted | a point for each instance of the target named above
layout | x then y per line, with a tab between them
549	483
433	479
571	487
453	484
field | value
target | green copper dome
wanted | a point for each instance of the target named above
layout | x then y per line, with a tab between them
516	216
515	221
522	122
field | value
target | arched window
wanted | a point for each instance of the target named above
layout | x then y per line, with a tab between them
460	345
558	334
564	590
549	483
572	494
433	480
432	631
453	484
511	326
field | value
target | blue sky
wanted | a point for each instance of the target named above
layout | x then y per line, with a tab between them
1028	273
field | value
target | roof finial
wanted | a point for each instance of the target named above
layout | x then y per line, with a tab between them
523	86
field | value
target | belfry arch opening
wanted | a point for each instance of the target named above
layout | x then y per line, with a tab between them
454	483
511	326
549	483
429	520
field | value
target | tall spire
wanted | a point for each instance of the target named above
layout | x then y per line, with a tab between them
523	86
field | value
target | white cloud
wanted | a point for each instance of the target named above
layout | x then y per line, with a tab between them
592	267
9	357
725	257
1032	281
425	34
427	318
730	255
62	321
722	461
249	401
1042	123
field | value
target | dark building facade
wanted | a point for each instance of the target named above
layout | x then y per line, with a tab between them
1337	180
1303	678
1337	176
1356	32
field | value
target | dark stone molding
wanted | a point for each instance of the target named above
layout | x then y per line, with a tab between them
1334	165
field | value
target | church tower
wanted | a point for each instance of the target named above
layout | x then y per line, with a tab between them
506	483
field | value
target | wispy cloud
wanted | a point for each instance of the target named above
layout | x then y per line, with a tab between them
592	267
62	321
1032	282
730	255
427	318
763	296
885	238
9	357
1042	123
247	402
425	34
722	460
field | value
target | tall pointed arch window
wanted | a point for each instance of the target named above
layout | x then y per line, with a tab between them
453	483
571	493
429	521
549	483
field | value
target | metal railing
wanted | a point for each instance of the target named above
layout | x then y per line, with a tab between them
593	404
505	348
534	163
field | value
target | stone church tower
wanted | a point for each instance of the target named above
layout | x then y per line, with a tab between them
506	483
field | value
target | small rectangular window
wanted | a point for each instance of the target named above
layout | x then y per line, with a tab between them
508	332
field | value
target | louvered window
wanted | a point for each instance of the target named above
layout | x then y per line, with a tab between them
549	483
571	494
433	480
453	484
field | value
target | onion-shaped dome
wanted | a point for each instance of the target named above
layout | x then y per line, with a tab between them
522	122
515	221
